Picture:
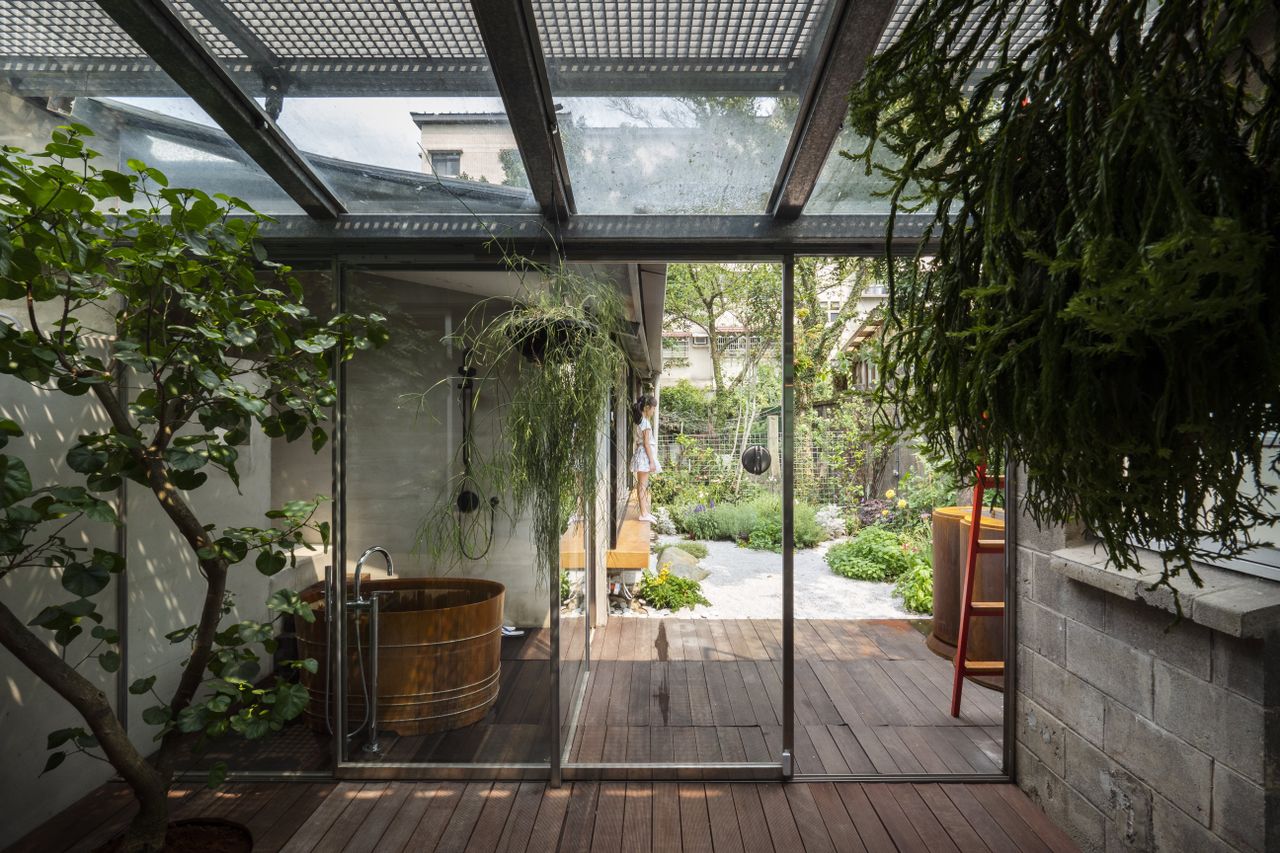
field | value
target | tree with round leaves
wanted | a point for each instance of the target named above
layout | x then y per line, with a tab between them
204	340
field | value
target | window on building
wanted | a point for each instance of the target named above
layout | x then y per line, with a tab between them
446	164
675	347
877	290
701	341
833	311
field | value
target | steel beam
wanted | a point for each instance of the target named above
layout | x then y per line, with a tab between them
855	32
166	38
468	238
511	41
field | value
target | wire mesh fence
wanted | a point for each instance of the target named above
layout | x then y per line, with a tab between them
831	466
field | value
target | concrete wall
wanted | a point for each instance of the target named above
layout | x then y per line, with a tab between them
1136	732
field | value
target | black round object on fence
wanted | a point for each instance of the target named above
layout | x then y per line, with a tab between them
756	459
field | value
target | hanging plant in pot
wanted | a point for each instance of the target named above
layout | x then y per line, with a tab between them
551	357
1101	298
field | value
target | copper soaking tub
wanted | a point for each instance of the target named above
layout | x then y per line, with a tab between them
439	655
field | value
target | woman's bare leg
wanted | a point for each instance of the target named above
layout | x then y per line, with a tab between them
642	491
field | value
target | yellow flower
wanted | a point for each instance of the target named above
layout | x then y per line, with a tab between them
884	512
890	495
902	503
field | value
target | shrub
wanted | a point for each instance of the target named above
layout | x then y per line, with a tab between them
915	587
670	592
830	519
663	522
697	549
697	521
875	554
566	589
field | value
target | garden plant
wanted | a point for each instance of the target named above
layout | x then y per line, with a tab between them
157	303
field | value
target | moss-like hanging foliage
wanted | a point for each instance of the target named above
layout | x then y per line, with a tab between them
553	356
1105	284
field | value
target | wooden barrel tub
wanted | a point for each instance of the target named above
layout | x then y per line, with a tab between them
439	655
951	526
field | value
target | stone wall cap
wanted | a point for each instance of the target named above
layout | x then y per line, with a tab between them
1229	602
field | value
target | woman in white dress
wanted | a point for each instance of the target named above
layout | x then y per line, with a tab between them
644	461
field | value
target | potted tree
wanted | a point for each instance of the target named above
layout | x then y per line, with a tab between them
204	340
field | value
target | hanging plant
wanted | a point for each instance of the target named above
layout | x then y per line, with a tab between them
1101	297
549	357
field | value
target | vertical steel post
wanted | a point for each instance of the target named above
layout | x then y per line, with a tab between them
1010	611
788	514
337	654
122	579
553	586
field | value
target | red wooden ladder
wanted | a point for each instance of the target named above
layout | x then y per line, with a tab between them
968	607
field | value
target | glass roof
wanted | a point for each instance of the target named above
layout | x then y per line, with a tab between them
660	106
39	93
702	121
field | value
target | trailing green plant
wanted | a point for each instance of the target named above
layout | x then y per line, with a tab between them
550	356
157	304
695	549
670	592
915	587
1100	294
873	554
566	588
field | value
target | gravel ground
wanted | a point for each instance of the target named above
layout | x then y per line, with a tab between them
747	584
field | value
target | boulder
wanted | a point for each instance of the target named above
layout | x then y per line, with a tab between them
683	564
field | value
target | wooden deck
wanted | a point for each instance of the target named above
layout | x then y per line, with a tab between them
870	698
604	816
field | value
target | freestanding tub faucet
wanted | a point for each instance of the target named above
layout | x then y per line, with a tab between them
369	552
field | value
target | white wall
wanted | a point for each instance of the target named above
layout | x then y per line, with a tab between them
28	709
164	593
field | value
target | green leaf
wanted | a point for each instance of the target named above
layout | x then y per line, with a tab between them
86	460
85	580
240	336
61	736
217	774
110	661
291	700
270	562
15	480
156	715
107	635
142	685
8	430
54	760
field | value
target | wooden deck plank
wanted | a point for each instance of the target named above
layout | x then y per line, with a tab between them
606	835
498	802
726	836
695	825
666	817
637	818
840	827
579	821
519	826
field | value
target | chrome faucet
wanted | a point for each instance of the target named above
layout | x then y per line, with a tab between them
376	549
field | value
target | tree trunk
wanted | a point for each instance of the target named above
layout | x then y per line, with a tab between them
149	785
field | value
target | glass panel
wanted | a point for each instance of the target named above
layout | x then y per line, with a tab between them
675	107
844	187
453	686
370	92
67	62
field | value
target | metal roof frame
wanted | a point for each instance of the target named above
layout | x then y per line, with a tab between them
184	49
856	30
166	38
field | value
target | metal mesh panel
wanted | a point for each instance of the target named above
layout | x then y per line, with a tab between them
695	30
71	30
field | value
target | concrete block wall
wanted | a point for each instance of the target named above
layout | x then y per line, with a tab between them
1134	730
